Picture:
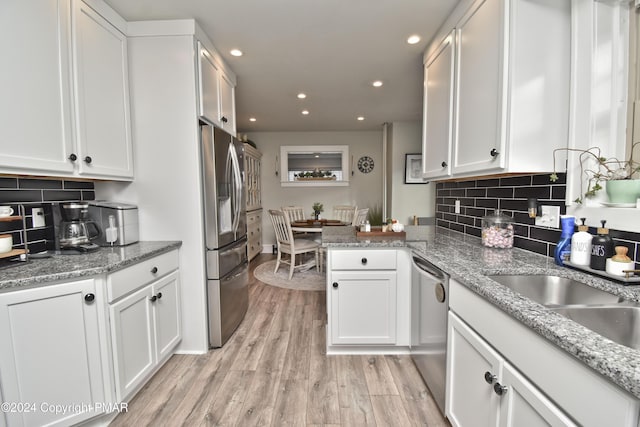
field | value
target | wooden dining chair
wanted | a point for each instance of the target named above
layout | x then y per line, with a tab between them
360	217
344	213
296	213
287	244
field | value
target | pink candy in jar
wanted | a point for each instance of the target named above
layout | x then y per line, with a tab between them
497	230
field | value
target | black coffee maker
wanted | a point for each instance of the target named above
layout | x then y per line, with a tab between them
75	230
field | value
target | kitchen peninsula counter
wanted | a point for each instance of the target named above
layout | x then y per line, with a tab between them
41	271
465	259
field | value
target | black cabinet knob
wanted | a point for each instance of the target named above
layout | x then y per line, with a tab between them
224	119
88	159
154	270
500	389
73	157
363	261
153	298
494	152
335	284
159	295
89	298
489	377
444	164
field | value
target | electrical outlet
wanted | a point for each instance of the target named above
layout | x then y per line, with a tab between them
457	207
38	217
550	217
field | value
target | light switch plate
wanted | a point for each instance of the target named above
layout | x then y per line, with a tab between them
457	206
550	217
38	217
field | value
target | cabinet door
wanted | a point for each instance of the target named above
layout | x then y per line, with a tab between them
133	341
363	307
227	105
166	313
102	96
50	353
35	100
209	86
471	400
480	90
437	132
524	405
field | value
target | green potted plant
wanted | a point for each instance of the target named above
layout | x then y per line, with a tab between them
621	176
317	208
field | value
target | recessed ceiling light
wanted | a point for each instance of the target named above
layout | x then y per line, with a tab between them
413	39
377	83
302	95
360	118
252	119
236	52
305	112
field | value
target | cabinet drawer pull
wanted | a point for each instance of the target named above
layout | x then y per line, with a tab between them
489	377
153	298
73	157
500	389
159	295
224	119
443	164
154	270
89	298
335	284
88	159
363	261
494	152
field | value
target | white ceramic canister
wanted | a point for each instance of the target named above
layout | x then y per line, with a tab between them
6	243
620	262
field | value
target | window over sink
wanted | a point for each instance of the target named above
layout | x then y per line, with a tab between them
314	165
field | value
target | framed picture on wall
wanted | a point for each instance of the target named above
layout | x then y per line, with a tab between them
413	169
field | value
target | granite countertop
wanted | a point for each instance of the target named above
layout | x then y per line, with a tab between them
38	272
465	259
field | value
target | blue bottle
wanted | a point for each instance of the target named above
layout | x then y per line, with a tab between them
563	249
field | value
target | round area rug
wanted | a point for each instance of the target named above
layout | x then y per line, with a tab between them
302	280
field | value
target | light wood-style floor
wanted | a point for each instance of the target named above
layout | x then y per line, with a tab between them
274	371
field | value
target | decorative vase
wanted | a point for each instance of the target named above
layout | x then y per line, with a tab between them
623	190
316	214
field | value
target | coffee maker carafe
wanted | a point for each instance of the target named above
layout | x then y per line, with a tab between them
76	230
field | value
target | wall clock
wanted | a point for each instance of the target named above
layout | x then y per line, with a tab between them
365	164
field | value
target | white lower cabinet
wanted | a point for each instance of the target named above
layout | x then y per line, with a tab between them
145	328
501	373
50	357
368	299
485	390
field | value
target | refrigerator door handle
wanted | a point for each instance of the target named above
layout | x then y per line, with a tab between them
237	186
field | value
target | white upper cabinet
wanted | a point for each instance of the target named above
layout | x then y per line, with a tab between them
102	96
437	130
65	96
216	91
35	105
511	88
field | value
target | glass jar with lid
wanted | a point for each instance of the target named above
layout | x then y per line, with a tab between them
497	230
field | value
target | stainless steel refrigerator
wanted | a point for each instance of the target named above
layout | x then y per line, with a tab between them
225	232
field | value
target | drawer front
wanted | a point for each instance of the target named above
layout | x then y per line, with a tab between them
375	259
254	248
131	278
254	217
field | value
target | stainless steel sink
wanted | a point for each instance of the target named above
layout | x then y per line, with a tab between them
554	290
619	323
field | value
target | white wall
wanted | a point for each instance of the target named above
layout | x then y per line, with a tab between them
364	190
406	200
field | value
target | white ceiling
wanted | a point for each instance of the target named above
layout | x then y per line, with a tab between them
332	50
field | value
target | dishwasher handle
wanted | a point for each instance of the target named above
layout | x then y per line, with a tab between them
429	268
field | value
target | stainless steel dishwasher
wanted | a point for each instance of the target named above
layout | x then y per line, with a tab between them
429	306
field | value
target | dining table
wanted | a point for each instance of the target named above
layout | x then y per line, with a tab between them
315	226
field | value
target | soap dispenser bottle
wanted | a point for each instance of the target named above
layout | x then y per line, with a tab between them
581	245
568	224
601	248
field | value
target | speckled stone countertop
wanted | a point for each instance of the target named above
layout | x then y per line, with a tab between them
466	260
39	272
